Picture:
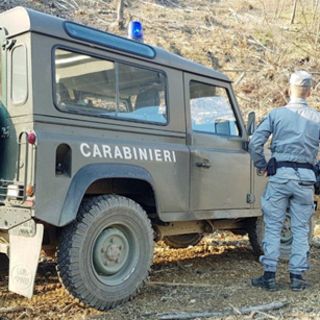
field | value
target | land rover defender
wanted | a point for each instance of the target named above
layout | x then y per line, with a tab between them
108	145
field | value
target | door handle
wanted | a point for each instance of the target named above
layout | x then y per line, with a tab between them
205	165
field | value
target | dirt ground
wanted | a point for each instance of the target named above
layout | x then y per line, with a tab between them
223	261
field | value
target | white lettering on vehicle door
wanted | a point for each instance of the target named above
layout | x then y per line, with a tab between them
143	154
135	153
107	151
85	154
174	156
167	156
158	155
96	151
127	153
117	153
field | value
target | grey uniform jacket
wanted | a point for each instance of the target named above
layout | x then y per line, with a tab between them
295	131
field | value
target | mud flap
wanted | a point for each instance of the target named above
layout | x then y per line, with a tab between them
25	246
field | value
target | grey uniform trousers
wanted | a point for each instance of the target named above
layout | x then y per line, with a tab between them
277	198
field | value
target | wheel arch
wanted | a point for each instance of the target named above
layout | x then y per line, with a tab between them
90	176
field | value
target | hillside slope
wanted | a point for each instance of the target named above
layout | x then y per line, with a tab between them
251	41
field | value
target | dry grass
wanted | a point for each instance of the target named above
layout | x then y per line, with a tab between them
249	40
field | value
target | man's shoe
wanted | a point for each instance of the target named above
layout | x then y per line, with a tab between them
297	282
265	283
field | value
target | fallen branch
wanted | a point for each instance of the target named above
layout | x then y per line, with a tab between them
243	311
68	307
243	74
239	70
179	284
11	310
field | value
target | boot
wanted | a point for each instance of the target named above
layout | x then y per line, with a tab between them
267	281
297	282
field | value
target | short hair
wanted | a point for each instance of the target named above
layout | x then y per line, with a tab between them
299	91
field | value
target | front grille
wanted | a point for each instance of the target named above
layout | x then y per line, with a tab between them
4	189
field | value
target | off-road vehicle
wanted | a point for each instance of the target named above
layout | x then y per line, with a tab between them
108	145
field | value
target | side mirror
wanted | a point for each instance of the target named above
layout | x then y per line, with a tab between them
251	125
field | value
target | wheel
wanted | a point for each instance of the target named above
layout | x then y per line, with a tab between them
105	255
255	229
183	240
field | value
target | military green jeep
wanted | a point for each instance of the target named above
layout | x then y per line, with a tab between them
108	145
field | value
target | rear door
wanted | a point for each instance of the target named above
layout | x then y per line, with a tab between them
220	165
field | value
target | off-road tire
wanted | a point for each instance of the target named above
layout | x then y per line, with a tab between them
255	228
85	243
183	240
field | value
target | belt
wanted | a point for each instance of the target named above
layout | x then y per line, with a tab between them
294	165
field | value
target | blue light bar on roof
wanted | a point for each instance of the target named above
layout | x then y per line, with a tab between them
109	40
135	31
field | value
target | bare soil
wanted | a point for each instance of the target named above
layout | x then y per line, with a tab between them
223	260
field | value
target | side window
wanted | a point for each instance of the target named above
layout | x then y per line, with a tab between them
85	84
144	93
211	110
19	76
98	87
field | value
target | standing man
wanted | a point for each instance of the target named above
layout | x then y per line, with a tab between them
295	131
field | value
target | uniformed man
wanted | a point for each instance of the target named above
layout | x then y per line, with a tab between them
295	131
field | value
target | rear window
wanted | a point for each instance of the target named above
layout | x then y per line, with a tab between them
19	84
105	88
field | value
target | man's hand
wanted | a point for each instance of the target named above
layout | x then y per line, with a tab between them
263	172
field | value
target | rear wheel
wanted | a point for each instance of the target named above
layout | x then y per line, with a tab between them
104	256
256	235
183	240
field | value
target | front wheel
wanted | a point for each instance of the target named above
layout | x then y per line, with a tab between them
255	229
105	255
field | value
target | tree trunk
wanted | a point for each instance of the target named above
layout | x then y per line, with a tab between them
120	14
318	31
294	11
315	9
276	10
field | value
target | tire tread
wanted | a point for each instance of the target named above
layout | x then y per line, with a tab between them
68	260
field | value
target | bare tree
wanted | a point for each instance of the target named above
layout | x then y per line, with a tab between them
318	31
315	9
277	8
294	11
281	9
120	14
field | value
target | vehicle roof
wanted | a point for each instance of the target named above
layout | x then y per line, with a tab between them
20	20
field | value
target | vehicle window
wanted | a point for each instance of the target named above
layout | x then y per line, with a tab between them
211	110
19	81
98	87
144	92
